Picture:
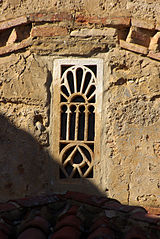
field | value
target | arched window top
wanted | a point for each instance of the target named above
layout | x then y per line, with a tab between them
79	84
78	98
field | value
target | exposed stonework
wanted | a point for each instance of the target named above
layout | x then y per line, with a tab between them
34	36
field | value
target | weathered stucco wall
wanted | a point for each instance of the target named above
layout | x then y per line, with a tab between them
35	33
148	9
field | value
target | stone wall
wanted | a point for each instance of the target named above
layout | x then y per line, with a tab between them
32	36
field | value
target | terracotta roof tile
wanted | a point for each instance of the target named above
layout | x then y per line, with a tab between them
37	222
135	232
32	233
4	229
3	235
36	201
71	211
100	222
112	205
76	216
153	219
67	232
70	220
6	207
152	210
102	232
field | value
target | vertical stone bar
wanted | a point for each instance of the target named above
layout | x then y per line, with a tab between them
77	122
68	124
86	125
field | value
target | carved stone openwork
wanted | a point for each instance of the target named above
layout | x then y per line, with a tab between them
76	101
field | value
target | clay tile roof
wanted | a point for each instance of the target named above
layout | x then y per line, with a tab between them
76	216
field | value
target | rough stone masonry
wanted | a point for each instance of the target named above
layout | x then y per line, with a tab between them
126	35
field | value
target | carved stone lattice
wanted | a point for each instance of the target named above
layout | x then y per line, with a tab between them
76	95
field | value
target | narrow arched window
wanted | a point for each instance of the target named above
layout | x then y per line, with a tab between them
76	109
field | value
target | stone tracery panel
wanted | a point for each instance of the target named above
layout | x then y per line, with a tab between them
77	95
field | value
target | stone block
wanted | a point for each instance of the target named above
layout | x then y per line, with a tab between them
13	22
143	23
48	31
14	47
154	55
133	47
157	26
94	32
155	41
12	38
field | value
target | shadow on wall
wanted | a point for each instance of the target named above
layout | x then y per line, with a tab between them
26	168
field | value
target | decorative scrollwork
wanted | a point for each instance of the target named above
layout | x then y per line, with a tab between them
78	82
76	161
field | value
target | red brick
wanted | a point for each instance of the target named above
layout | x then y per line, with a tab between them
71	220
32	233
66	233
154	55
13	22
85	20
50	17
116	21
109	21
147	24
16	46
133	47
48	31
105	233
